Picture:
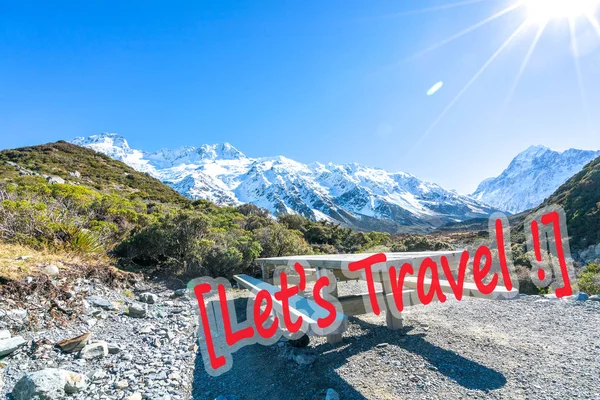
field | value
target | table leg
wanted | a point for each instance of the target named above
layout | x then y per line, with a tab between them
334	337
393	323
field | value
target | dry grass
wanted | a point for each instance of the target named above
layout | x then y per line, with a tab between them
12	268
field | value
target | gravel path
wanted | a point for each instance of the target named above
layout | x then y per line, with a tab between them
531	348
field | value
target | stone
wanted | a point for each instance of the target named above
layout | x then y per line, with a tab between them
179	293
120	385
48	384
5	334
595	297
16	315
74	344
332	395
135	396
55	179
305	359
75	174
148	298
146	330
101	302
175	376
51	270
9	345
114	348
94	350
137	310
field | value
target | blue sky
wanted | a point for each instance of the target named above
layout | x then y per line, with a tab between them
311	80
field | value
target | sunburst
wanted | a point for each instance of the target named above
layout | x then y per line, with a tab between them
536	13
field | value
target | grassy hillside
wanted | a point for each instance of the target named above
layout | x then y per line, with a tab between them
83	166
580	197
101	206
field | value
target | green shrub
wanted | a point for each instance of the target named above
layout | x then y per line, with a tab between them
588	279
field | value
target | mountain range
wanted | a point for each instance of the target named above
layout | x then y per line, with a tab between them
531	177
350	194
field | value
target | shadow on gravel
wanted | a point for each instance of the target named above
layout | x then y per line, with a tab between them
261	372
467	373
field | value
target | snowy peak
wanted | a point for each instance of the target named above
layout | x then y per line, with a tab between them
351	194
531	177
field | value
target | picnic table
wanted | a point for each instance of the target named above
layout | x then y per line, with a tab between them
336	266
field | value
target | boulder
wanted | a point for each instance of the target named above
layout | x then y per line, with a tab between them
94	350
51	270
74	344
48	384
75	174
148	298
9	345
55	179
101	302
5	334
595	297
137	310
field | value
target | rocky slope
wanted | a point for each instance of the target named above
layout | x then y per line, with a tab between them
100	343
350	194
531	177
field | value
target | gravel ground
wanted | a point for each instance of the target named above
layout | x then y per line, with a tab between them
530	348
155	359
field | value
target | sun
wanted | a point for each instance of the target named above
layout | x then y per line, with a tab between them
542	11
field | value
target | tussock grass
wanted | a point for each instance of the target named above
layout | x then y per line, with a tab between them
11	268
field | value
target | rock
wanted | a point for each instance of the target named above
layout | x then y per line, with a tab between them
146	330
96	375
75	174
581	296
149	298
101	302
74	344
577	297
114	348
51	270
135	396
332	395
55	179
48	384
94	350
5	334
137	310
179	293
382	345
595	297
23	258
9	345
120	385
305	359
175	376
18	315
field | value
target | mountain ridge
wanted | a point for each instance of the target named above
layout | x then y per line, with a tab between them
531	177
351	194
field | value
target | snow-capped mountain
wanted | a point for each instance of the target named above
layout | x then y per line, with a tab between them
351	194
531	177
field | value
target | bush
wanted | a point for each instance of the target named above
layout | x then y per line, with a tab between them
588	279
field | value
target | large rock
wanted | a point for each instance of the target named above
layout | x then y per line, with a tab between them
137	310
101	302
149	298
595	297
51	270
94	350
9	345
74	344
5	334
48	384
55	179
